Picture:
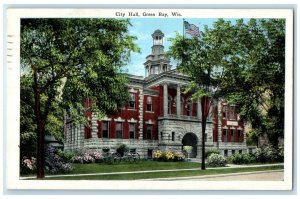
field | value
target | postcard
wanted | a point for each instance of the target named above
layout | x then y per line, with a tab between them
149	99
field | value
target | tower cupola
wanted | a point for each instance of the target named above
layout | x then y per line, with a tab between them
156	62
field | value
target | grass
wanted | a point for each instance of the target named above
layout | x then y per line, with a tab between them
146	165
135	176
142	165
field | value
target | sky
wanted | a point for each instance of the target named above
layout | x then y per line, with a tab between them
142	28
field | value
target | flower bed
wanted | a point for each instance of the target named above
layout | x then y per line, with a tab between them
88	157
168	156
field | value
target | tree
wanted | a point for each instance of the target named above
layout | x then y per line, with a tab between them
197	60
253	57
71	59
242	62
28	135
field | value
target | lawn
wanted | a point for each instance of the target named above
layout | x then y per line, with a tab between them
136	176
142	165
105	172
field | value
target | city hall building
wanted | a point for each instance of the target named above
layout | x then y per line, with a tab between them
159	116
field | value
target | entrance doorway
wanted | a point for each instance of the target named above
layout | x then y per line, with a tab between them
190	139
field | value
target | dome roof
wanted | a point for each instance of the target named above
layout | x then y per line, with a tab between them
158	33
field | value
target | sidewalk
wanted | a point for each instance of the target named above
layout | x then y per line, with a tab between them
270	175
151	171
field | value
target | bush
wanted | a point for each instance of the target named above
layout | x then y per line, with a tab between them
178	156
53	163
122	149
28	165
84	158
66	156
211	151
241	158
168	156
269	154
89	156
216	160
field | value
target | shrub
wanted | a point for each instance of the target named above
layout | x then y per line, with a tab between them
211	151
53	163
241	158
122	148
157	154
168	156
28	165
98	157
84	158
66	156
216	160
89	156
269	154
178	156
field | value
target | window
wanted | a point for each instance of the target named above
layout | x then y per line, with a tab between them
225	152
149	153
149	132
240	151
131	130
225	135
231	112
119	130
165	67
232	135
131	100
250	150
239	135
181	105
189	107
169	104
205	137
156	70
233	152
224	111
161	135
149	103
105	129
173	136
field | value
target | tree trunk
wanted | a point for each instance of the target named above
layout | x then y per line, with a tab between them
205	111
40	128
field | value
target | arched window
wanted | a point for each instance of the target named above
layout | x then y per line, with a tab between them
189	107
169	104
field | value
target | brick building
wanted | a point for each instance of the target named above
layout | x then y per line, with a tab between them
159	116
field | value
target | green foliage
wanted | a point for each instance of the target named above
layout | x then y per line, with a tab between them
66	156
238	158
252	137
216	160
269	154
28	136
253	60
122	149
211	151
266	154
67	60
242	62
